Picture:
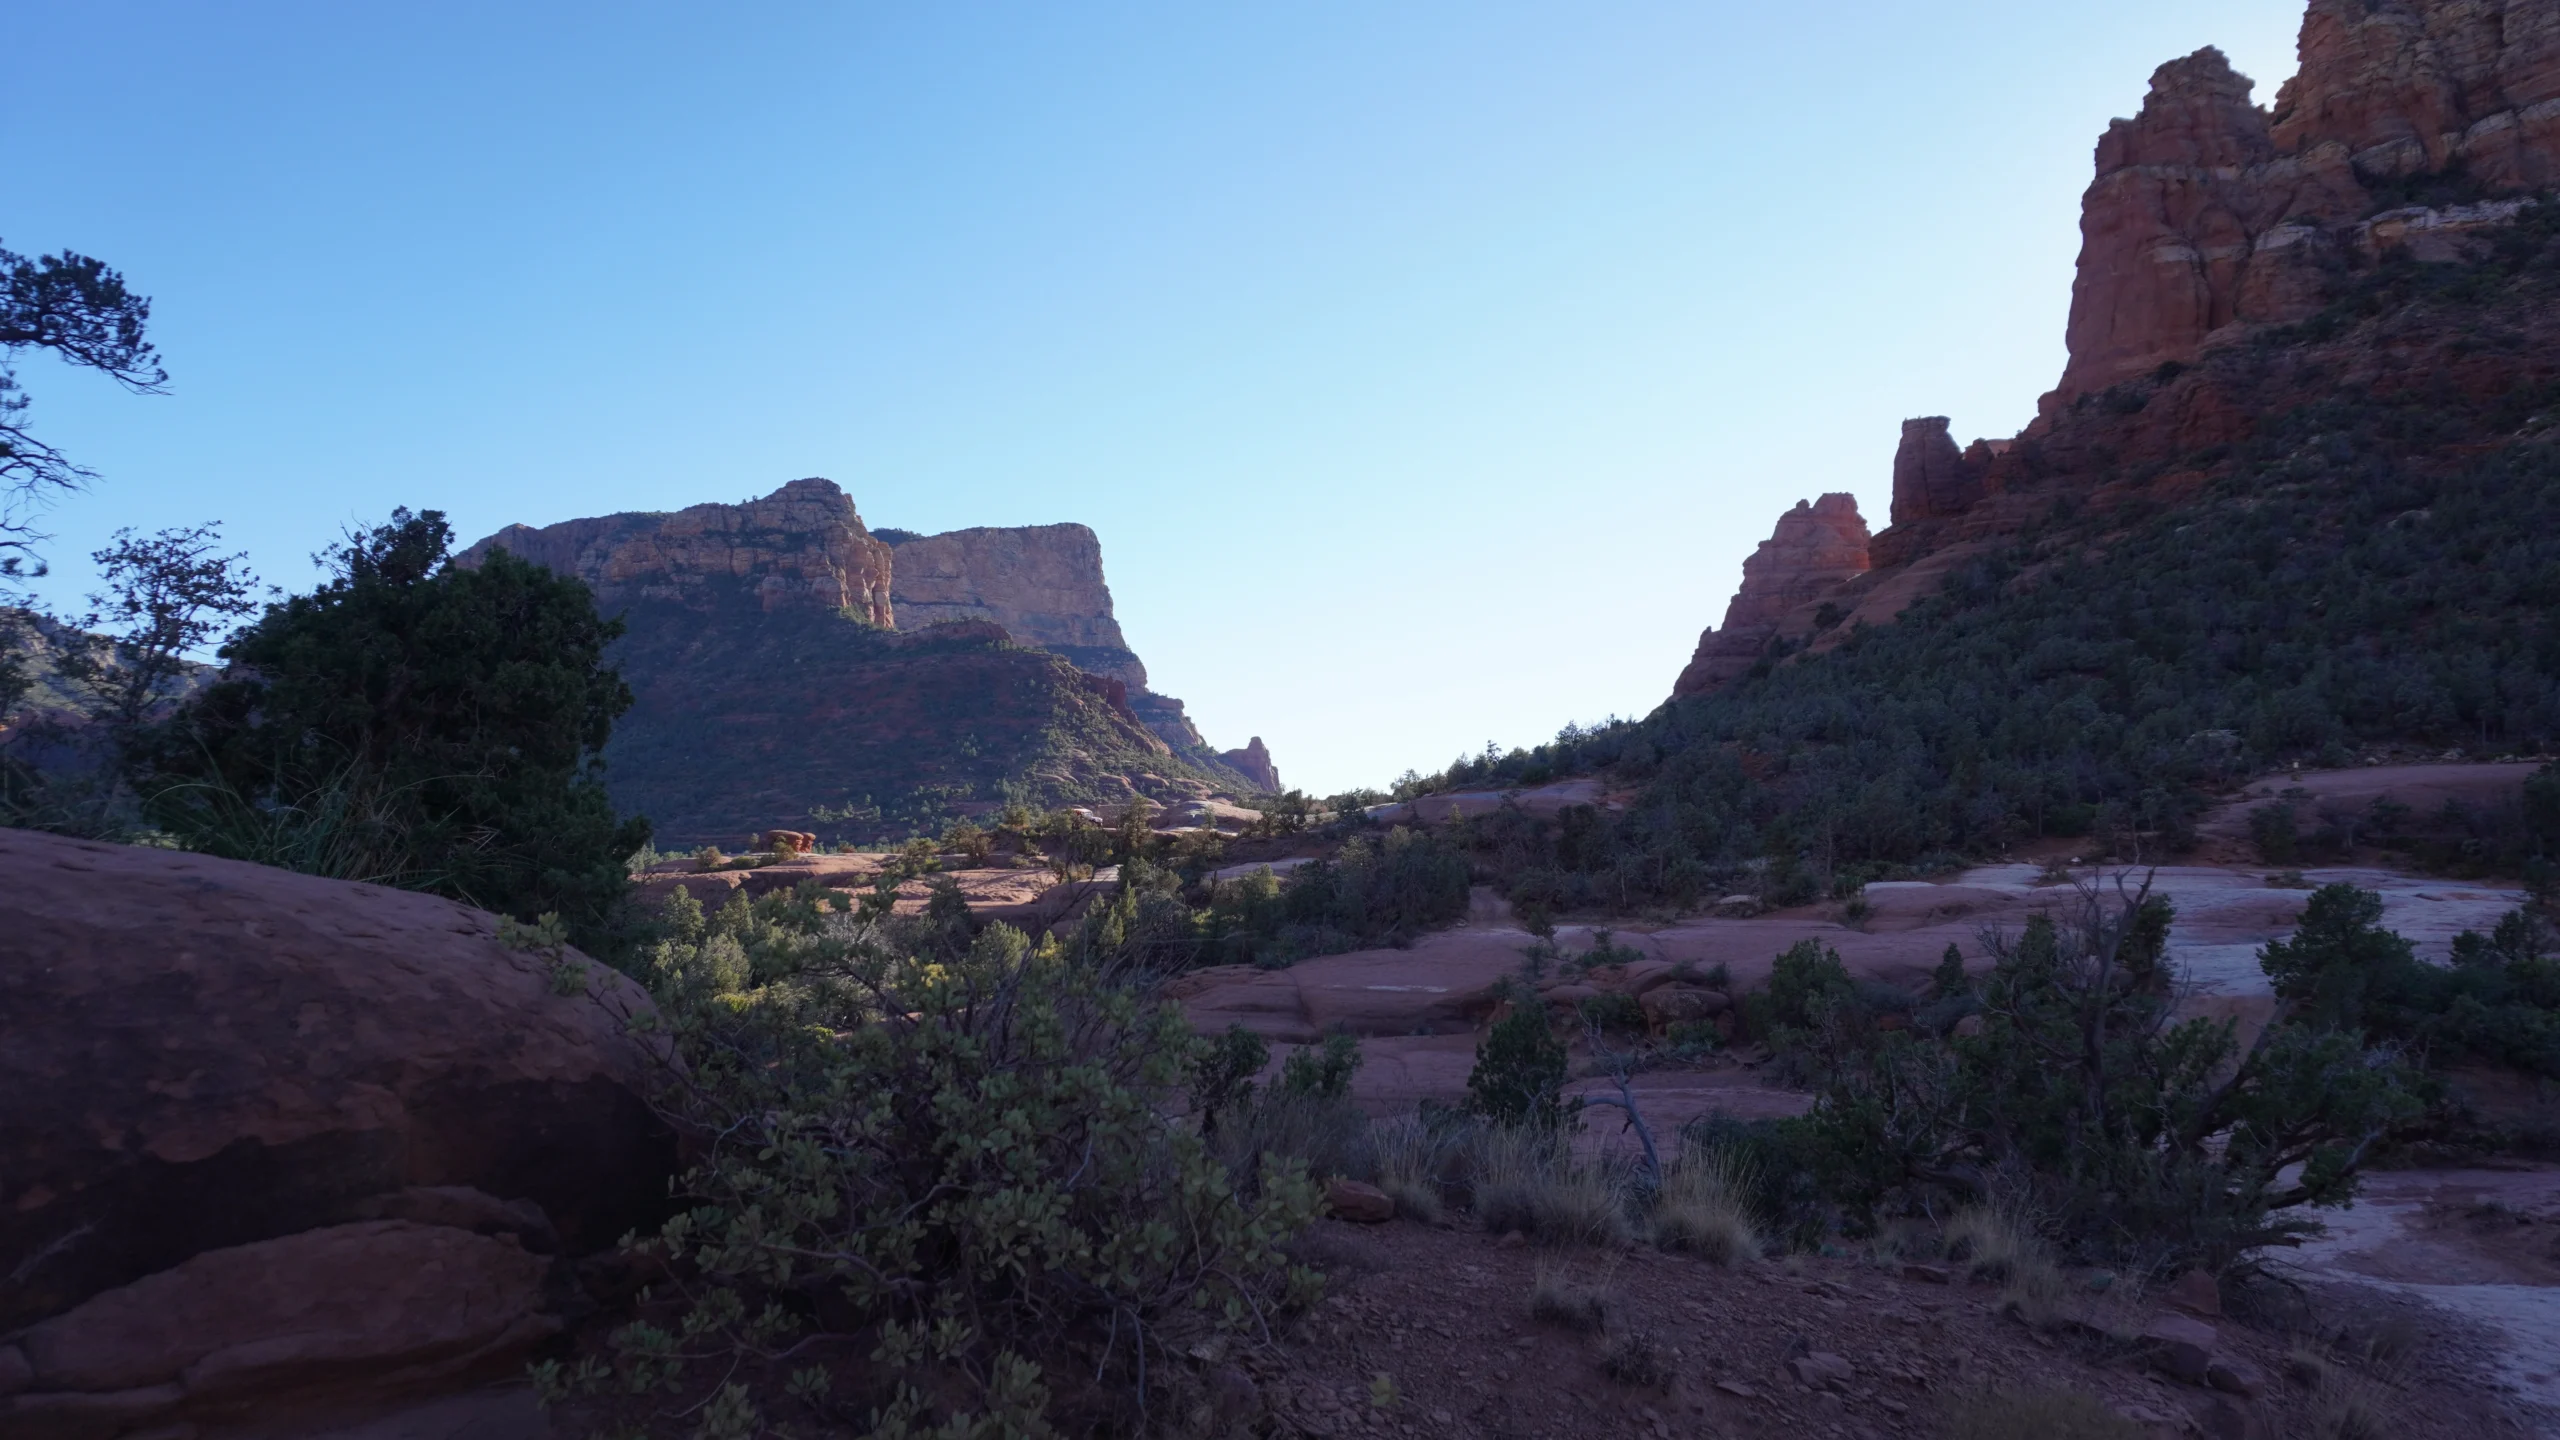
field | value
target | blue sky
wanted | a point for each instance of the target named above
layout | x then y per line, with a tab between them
1427	369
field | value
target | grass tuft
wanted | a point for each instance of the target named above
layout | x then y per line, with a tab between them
1704	1208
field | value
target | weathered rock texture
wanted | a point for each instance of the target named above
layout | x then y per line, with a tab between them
261	1131
346	1313
1931	478
758	703
2208	210
803	546
1815	548
1254	763
1042	583
2415	129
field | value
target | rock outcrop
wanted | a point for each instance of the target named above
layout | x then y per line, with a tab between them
1931	478
757	702
1253	762
803	546
346	1315
2416	129
232	1096
1042	583
2209	211
1815	547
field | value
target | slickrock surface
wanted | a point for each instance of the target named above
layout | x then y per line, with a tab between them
1815	547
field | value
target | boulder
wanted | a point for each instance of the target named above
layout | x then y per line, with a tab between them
2181	1347
199	1054
1669	1005
343	1314
1357	1202
799	841
2235	1376
2196	1293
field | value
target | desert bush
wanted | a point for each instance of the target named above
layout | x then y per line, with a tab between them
2035	1415
2138	1139
1704	1207
1375	890
1306	1116
1223	1073
934	1186
469	706
1519	1072
2498	1002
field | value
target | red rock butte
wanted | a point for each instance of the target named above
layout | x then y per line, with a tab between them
2210	219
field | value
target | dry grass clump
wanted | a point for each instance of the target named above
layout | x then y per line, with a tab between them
2348	1407
2035	1415
1556	1298
1411	1158
1999	1244
1528	1181
1704	1208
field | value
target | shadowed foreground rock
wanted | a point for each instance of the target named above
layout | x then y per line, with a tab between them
266	1137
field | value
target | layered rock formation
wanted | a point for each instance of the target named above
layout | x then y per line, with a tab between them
265	1135
2209	211
1931	478
1254	763
1816	547
756	703
1042	583
2415	128
803	546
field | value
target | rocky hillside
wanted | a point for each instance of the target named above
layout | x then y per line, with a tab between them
2417	133
793	668
2295	497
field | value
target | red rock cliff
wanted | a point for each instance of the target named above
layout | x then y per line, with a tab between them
801	546
2208	210
1042	583
1815	547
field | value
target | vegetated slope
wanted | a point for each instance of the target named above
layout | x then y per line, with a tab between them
775	689
747	719
2327	539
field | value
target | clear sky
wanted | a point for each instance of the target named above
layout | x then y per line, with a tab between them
1427	369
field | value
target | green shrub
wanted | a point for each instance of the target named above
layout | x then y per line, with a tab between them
2498	1002
1519	1072
1222	1074
941	1180
2139	1139
460	713
1324	1071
